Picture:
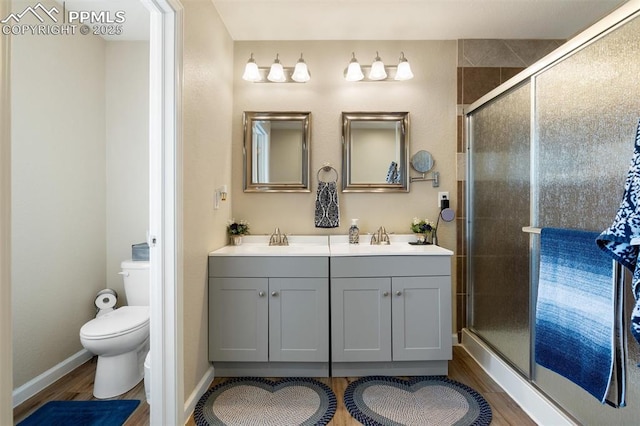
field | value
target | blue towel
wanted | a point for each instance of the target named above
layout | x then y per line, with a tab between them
621	240
575	311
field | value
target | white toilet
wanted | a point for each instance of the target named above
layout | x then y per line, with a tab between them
120	337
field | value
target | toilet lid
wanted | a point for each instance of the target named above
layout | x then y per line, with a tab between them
120	321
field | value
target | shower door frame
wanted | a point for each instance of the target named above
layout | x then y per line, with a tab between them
623	15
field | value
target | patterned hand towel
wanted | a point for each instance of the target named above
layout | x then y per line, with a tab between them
622	238
393	176
575	334
327	210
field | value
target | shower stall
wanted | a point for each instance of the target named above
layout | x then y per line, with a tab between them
551	148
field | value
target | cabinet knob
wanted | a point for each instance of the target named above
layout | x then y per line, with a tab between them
274	293
385	294
261	293
398	293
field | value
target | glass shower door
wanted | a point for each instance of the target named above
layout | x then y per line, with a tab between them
499	179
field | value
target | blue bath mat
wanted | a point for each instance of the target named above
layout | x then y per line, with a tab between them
82	413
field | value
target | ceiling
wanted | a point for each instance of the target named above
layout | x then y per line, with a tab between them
135	26
409	19
380	19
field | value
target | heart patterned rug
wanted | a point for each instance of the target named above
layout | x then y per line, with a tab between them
419	401
258	401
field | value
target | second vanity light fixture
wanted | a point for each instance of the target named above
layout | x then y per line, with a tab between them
276	73
378	71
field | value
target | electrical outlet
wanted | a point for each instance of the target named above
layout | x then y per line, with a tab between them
443	195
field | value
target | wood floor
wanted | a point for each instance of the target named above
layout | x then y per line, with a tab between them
78	385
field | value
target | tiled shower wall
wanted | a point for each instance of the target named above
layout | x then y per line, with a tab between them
482	66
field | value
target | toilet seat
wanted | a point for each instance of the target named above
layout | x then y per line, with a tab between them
120	321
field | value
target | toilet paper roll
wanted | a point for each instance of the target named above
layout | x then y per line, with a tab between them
106	299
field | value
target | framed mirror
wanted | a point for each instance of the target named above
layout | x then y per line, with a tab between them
375	151
276	151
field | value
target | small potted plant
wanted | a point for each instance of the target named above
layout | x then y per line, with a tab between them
423	228
236	230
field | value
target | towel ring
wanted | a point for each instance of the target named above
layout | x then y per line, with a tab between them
327	168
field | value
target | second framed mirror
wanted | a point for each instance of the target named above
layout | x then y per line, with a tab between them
375	151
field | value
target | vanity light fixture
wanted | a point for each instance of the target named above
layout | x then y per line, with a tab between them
354	72
404	69
301	71
276	73
251	72
377	69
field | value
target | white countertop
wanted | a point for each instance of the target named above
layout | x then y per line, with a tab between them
258	245
339	246
334	245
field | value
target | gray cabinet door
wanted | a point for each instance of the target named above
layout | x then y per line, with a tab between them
360	319
298	319
238	312
421	318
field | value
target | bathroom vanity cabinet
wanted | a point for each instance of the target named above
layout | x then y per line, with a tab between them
269	315
390	315
272	308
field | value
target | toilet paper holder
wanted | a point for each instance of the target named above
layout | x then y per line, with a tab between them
106	299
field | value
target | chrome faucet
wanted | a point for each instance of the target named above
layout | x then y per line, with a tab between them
380	237
278	239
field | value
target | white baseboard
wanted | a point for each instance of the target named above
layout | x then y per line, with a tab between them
201	388
534	403
50	376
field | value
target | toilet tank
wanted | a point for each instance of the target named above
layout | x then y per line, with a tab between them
136	282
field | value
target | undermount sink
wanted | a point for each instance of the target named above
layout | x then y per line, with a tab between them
399	245
258	245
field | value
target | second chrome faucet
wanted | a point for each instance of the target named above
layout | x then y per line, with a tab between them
278	239
380	237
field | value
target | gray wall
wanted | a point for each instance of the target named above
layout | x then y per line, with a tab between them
207	107
58	205
127	153
79	185
429	97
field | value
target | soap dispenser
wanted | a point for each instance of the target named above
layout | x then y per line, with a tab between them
354	232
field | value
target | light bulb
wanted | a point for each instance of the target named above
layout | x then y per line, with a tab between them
276	73
404	69
251	72
301	72
377	69
354	72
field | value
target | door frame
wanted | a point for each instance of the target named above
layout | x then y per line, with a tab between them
165	215
6	353
165	211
